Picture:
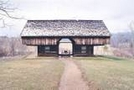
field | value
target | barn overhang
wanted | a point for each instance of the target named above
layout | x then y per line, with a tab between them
35	41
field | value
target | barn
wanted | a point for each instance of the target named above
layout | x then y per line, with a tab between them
65	37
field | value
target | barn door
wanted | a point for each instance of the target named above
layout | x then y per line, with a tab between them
90	50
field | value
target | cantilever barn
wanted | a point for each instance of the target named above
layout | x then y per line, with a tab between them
82	35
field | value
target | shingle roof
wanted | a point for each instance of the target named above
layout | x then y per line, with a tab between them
65	28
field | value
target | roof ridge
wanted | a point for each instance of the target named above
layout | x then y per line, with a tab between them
65	20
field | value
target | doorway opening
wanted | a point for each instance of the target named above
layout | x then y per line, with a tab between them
65	47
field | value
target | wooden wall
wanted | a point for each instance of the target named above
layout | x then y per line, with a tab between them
47	50
40	41
77	40
53	43
92	41
77	51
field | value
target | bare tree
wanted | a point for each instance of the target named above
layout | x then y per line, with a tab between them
132	33
8	45
12	46
7	11
5	8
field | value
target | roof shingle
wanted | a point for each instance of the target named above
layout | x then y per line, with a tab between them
65	28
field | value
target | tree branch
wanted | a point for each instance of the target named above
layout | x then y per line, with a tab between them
6	12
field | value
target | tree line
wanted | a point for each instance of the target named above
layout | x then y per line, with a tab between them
11	46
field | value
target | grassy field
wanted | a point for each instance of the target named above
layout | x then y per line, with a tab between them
30	74
108	73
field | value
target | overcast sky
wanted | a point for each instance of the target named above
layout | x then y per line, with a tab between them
117	14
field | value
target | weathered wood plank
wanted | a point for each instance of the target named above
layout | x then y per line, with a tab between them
91	41
40	41
77	40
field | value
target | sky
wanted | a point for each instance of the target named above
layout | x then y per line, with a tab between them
116	14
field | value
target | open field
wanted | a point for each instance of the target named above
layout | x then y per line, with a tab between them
101	73
107	73
30	74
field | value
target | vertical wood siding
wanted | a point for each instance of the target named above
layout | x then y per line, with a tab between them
78	41
40	41
91	41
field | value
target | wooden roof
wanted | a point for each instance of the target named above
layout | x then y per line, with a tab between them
65	28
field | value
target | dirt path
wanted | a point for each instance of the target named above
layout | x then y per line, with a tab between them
72	77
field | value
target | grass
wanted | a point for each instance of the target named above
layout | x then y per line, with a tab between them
30	74
108	73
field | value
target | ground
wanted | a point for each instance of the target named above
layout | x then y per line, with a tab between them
108	73
30	74
93	73
72	77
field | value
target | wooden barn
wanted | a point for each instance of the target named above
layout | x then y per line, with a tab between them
81	35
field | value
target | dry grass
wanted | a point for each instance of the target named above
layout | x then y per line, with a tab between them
108	73
30	74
